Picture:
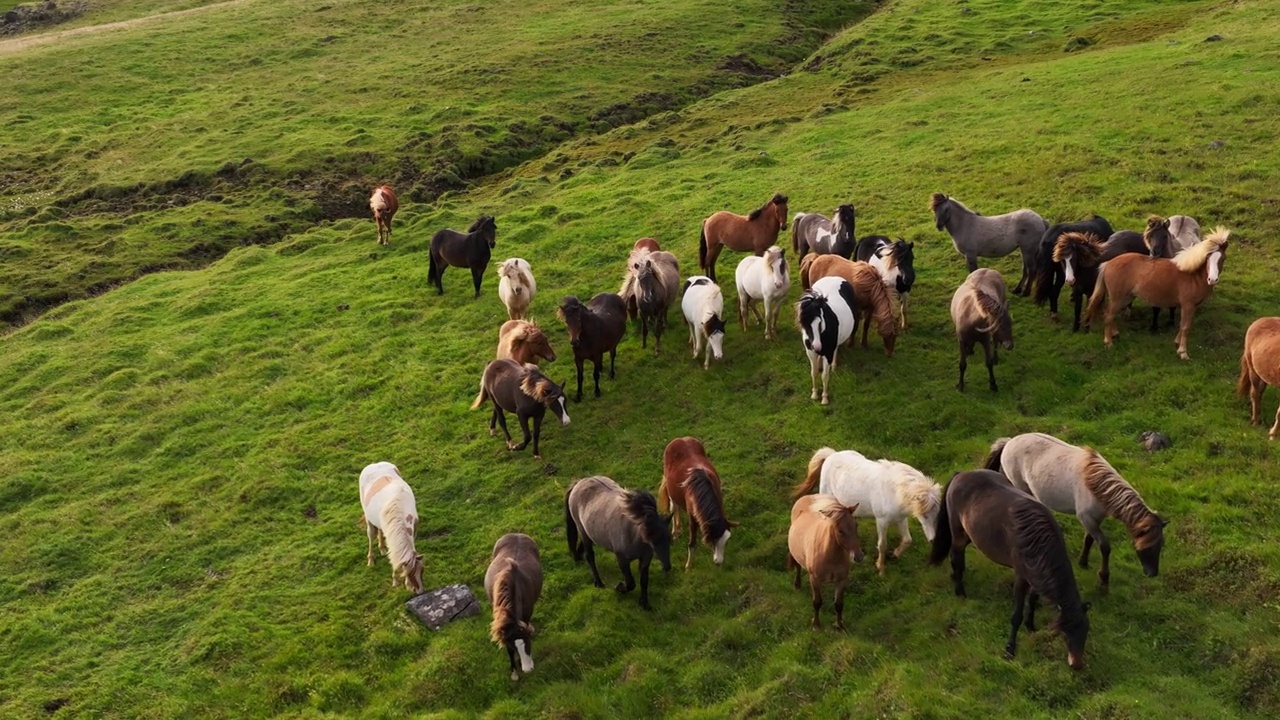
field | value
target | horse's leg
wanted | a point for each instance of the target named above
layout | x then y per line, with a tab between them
840	605
440	276
826	378
1020	587
695	339
1275	429
989	350
493	420
658	328
713	252
578	361
628	580
815	588
372	532
972	260
1084	552
902	308
815	367
957	563
964	365
597	364
645	561
613	358
882	539
1173	316
1184	329
589	550
744	306
477	274
1256	388
524	428
693	541
791	563
768	316
502	421
1077	300
644	329
1155	320
537	435
905	541
754	304
1033	603
1109	331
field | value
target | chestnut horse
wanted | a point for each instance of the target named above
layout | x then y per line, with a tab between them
384	205
1185	281
822	540
690	483
753	233
524	342
870	296
1260	366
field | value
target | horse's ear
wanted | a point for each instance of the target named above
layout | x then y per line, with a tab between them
853	508
732	523
1163	522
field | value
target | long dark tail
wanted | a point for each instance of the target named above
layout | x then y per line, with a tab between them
996	455
942	536
795	234
702	247
1046	269
431	267
571	529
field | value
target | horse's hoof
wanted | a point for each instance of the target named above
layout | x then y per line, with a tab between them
646	606
622	588
994	388
1184	356
597	583
1008	654
960	387
825	400
813	395
816	626
537	457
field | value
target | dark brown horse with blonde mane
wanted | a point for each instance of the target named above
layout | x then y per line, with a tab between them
384	205
871	298
752	233
1260	366
823	539
513	583
525	391
691	484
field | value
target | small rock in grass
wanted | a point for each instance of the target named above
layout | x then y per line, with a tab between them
1216	144
440	607
1214	38
1154	441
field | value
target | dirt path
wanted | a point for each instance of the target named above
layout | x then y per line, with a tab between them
16	45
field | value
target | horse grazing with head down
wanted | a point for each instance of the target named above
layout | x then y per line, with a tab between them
691	484
384	205
811	232
599	512
763	279
1185	281
391	518
887	490
516	287
513	583
525	391
524	342
976	236
1079	481
594	329
703	308
981	315
1049	271
1015	530
823	539
470	249
826	320
1260	366
752	233
871	299
895	261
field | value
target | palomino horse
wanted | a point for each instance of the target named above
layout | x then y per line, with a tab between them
763	279
384	205
871	299
594	329
1260	366
753	233
470	249
516	287
811	232
976	236
524	342
525	391
703	308
691	484
513	583
391	518
599	512
1049	272
1078	257
981	315
1077	480
895	261
887	490
1185	281
822	540
1015	530
825	316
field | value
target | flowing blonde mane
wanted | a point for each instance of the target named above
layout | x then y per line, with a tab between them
399	530
503	602
989	308
916	491
1194	257
1117	496
535	384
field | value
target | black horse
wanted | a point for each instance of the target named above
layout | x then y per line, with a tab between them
594	329
470	249
525	391
1081	254
1049	274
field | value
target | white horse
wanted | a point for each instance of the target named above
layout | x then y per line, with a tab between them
826	320
887	490
703	307
391	516
516	287
763	278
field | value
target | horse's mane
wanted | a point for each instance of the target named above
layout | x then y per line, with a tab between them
705	506
1194	257
881	305
777	199
535	384
835	511
570	304
642	508
842	223
1038	541
916	490
774	253
1116	496
937	200
809	307
989	307
514	271
479	223
505	622
1088	246
398	532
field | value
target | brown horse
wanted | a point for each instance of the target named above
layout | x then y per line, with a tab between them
871	299
1260	366
524	342
594	329
513	583
1015	530
384	205
1183	282
690	483
753	233
647	243
651	285
525	391
822	540
470	249
981	315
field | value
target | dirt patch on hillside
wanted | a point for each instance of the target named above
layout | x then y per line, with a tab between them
25	18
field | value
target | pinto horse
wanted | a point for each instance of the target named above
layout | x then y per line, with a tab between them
384	205
825	315
811	232
1260	366
753	233
594	329
823	539
391	518
1015	530
871	299
470	249
691	484
513	583
895	261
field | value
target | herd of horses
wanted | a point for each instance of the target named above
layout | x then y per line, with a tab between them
1006	508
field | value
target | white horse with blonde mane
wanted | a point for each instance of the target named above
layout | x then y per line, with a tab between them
391	517
516	287
887	490
766	279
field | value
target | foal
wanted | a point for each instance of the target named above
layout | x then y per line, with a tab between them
691	484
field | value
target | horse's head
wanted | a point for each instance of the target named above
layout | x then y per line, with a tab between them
779	205
811	316
775	259
941	206
517	638
1157	237
412	574
646	278
1218	257
847	530
1075	629
487	228
1148	540
570	312
558	401
845	219
905	258
714	328
1004	328
540	345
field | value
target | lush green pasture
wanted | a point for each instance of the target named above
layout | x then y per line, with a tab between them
179	456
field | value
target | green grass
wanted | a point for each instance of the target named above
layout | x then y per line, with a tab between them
180	454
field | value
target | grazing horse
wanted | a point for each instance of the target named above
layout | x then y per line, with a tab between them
822	540
887	490
516	287
895	261
656	287
524	342
976	236
753	233
811	232
981	315
1015	530
1185	281
513	583
594	329
384	205
1050	275
826	320
599	512
690	483
525	391
1079	255
870	296
1260	366
391	518
470	249
1077	480
765	278
703	308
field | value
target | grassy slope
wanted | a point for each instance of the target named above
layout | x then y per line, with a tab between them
180	455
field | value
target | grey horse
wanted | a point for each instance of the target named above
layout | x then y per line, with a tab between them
976	236
597	511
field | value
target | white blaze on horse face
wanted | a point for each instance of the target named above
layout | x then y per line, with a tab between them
564	411
718	557
526	660
1068	270
1213	261
717	345
815	335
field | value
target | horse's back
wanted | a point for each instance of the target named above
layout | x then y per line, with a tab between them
851	477
1121	243
374	479
597	506
1262	346
811	537
1048	468
983	503
518	550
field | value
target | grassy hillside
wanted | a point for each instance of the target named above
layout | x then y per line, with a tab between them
179	455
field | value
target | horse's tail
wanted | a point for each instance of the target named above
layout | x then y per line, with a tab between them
815	472
1246	373
571	529
664	500
1046	268
1095	300
942	535
996	455
702	246
431	266
795	233
484	395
